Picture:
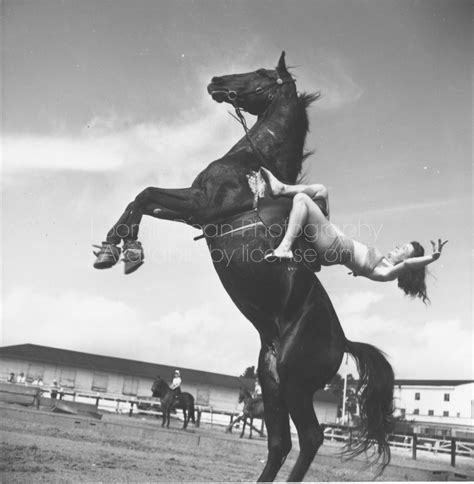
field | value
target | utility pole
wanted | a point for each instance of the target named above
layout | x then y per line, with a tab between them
345	390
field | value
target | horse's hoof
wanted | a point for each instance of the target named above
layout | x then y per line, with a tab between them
107	256
133	256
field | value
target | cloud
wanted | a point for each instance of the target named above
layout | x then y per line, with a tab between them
68	319
171	152
208	336
213	337
337	85
416	351
356	302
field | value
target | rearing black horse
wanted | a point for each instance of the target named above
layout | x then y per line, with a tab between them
302	342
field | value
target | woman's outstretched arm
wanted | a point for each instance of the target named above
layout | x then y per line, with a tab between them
413	263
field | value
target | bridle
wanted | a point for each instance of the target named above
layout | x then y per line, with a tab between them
234	96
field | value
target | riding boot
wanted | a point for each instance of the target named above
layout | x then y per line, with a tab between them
107	256
133	255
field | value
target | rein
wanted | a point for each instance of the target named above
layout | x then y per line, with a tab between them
232	96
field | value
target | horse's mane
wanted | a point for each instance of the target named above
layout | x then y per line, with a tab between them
305	99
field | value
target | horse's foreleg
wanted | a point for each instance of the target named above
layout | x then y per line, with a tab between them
251	427
275	414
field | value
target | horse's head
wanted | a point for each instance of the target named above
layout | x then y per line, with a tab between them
157	387
252	91
243	394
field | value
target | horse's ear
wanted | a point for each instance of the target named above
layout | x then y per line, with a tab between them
281	67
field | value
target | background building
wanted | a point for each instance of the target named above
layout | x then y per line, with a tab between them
442	401
89	375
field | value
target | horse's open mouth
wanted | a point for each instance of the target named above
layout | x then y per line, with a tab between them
219	96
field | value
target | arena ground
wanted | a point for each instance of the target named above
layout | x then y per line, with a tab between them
39	446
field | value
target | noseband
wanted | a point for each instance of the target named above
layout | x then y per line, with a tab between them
233	96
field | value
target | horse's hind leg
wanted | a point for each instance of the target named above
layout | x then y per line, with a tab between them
275	414
169	204
310	433
185	415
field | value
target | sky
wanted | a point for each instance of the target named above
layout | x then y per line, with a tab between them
104	98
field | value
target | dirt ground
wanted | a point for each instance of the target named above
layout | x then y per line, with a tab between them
34	451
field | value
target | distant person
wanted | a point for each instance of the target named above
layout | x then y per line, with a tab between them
176	383
54	389
40	382
21	378
310	216
11	378
257	391
35	382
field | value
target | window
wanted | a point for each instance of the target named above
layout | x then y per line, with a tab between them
99	382
445	413
430	412
130	386
67	378
416	411
34	371
446	397
203	394
417	396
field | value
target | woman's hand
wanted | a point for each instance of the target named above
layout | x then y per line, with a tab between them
437	250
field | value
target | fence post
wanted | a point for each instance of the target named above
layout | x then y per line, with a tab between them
414	444
453	452
198	421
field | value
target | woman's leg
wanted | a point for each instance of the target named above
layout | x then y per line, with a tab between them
306	218
280	189
314	191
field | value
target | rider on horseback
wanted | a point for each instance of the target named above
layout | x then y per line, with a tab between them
176	383
406	263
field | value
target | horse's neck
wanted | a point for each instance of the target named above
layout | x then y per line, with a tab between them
277	137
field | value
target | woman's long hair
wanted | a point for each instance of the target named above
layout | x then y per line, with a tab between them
412	282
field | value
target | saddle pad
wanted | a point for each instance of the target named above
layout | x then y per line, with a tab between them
274	212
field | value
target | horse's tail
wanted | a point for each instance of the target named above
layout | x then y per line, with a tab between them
375	391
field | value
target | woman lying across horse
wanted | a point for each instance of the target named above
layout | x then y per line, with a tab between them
406	263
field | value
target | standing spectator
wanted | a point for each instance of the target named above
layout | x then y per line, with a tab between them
21	378
11	378
35	382
54	389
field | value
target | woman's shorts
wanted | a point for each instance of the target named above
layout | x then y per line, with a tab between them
341	251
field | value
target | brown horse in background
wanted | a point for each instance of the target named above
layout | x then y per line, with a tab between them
253	408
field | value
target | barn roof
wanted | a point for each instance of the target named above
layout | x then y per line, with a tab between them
432	383
58	356
76	359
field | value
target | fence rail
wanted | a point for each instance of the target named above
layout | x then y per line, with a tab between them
412	443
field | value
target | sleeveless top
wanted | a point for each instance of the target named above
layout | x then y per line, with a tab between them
341	251
373	257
